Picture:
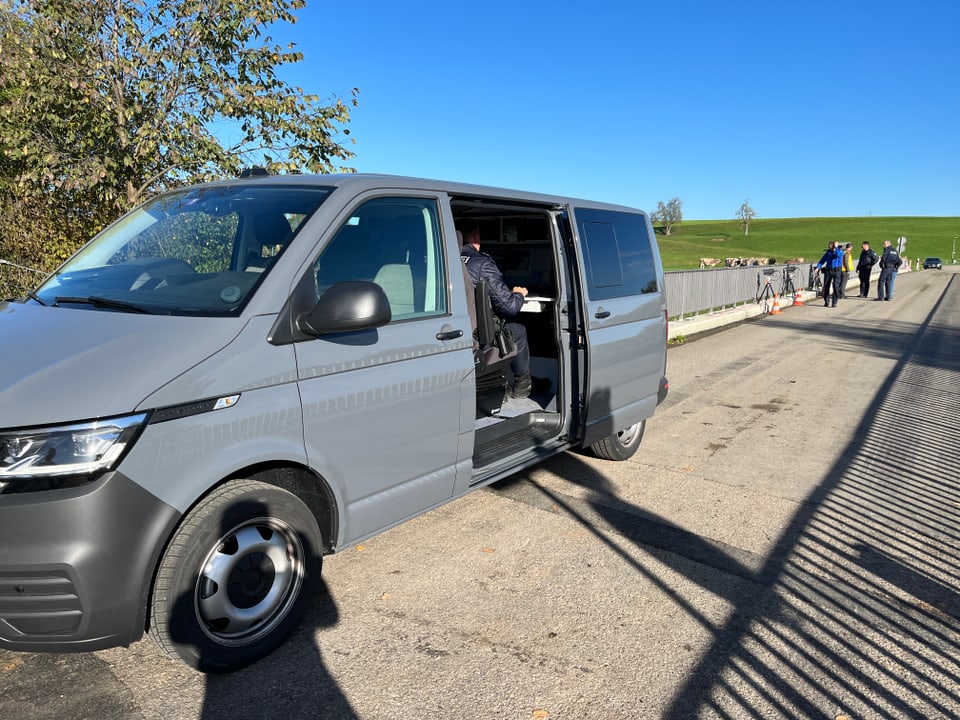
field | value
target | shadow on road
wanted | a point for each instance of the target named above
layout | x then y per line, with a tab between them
856	610
293	682
290	682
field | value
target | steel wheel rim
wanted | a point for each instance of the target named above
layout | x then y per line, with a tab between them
628	436
249	581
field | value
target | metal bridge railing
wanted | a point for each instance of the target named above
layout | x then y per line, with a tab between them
16	280
691	292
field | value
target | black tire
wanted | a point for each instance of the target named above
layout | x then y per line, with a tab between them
622	445
237	577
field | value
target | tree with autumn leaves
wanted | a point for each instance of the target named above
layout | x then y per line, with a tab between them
106	102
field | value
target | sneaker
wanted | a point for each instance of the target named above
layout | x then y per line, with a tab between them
522	386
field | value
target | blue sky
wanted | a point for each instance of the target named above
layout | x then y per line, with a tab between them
807	109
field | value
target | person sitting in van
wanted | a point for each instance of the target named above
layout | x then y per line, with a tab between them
506	301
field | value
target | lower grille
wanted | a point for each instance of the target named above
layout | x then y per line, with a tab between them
38	604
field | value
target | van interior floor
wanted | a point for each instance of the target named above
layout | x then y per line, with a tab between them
511	408
520	425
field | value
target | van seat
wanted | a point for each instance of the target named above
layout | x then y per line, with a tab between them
396	279
271	231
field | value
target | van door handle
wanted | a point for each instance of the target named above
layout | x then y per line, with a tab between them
601	314
449	334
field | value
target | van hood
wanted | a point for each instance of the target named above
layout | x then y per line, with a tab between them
62	365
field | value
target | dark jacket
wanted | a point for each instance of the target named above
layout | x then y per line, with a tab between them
868	258
832	259
890	258
481	266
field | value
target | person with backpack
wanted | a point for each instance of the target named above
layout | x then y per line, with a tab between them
829	266
868	258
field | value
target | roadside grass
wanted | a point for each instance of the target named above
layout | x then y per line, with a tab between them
807	238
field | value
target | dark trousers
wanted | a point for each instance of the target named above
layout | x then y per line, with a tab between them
864	274
885	284
844	277
831	277
520	364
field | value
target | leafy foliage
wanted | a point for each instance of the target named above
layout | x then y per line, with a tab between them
105	102
668	215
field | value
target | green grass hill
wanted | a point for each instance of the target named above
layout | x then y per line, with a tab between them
786	239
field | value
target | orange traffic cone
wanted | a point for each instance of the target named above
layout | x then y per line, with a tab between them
798	300
776	305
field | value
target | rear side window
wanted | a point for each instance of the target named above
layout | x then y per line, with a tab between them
617	254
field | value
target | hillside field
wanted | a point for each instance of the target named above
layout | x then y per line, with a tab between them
785	239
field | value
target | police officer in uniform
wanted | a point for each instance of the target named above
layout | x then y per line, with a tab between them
506	301
889	264
868	258
829	266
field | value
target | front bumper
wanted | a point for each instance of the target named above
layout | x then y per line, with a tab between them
76	565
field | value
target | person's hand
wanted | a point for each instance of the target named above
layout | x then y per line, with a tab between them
521	290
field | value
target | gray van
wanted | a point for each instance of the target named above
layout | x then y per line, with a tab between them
238	378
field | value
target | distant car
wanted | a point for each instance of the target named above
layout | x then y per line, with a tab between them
932	263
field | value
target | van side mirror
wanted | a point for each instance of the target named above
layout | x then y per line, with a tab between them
347	306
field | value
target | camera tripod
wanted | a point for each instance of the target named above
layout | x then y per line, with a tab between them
816	281
788	289
766	294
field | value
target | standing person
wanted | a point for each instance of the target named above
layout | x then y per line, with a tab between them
846	267
829	267
868	258
889	264
506	301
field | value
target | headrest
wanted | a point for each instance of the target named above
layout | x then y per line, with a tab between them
271	228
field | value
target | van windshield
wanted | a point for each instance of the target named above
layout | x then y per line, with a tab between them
201	251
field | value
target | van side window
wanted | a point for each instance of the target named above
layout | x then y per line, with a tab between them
617	253
396	243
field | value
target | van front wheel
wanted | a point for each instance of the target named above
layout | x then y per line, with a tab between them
622	445
237	577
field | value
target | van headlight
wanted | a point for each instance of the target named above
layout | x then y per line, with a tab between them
81	450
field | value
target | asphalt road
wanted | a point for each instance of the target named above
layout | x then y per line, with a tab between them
785	544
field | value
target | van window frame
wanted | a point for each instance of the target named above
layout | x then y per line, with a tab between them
634	253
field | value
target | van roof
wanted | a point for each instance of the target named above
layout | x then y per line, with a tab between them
360	182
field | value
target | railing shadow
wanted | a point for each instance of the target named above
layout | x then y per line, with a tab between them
856	610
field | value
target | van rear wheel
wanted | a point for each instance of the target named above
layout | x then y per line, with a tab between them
622	445
237	577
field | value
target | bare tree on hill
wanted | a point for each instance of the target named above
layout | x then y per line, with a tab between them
668	215
745	214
